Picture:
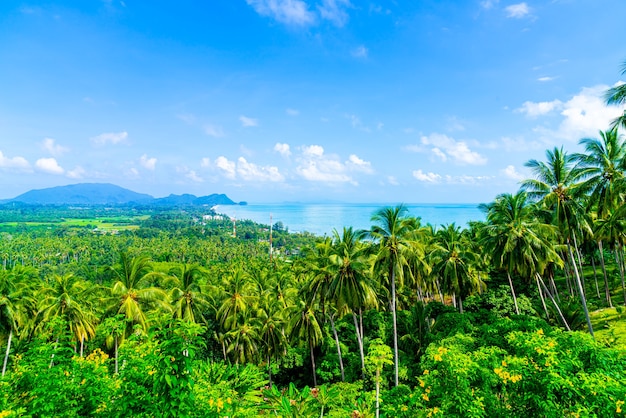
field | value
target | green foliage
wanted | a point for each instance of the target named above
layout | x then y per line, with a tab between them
499	301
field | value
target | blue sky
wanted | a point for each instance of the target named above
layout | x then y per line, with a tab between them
301	100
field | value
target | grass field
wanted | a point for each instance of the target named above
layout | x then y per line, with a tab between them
108	224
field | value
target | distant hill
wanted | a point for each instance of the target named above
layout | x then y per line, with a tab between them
110	194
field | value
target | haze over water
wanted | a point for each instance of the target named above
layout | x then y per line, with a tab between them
322	218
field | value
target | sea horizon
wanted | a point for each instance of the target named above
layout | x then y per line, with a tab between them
322	218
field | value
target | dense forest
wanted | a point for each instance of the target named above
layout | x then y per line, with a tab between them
158	313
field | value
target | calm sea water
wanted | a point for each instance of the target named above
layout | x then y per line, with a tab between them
321	219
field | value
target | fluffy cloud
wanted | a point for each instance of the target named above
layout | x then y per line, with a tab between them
252	172
110	138
290	12
488	4
544	79
193	176
535	109
49	165
226	166
77	173
583	115
147	163
315	165
512	173
426	177
15	163
282	149
247	122
54	149
445	147
517	11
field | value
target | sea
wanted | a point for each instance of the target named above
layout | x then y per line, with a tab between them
322	218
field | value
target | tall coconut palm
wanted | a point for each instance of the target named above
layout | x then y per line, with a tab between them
134	293
557	186
391	230
271	316
305	328
617	96
350	288
518	242
67	298
455	263
17	304
187	298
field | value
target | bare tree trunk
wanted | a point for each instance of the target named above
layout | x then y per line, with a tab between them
395	324
116	355
581	291
82	345
359	340
595	277
607	292
513	292
313	364
543	301
332	324
620	256
377	393
556	305
6	355
439	291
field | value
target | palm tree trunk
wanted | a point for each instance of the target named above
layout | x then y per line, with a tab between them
377	393
313	364
439	291
332	325
556	305
360	342
116	356
395	323
82	345
619	252
513	292
6	355
269	369
607	292
580	291
361	324
543	300
553	286
56	343
595	277
460	304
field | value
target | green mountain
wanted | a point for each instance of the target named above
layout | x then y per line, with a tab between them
110	194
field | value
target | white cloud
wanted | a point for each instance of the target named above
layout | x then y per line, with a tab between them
110	138
334	11
49	165
205	162
443	146
226	166
512	173
147	163
248	122
360	52
534	109
465	179
517	11
392	180
252	172
429	177
583	115
132	173
193	176
214	131
54	149
77	173
313	150
282	149
290	12
188	118
544	79
17	163
356	164
292	112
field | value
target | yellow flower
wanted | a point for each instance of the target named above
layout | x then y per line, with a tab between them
425	397
540	331
503	363
437	357
422	384
404	408
426	371
220	404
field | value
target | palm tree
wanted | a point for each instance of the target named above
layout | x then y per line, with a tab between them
516	239
272	330
455	263
187	298
17	304
305	327
617	96
350	287
133	293
559	189
391	232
